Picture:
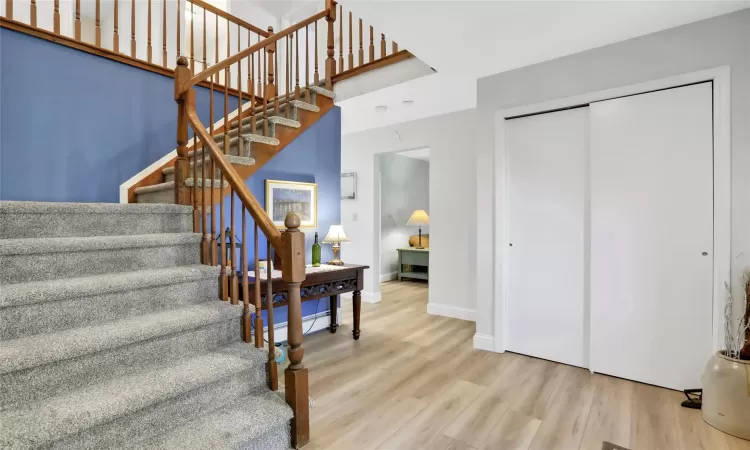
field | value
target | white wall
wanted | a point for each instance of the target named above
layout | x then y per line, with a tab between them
711	43
404	188
452	206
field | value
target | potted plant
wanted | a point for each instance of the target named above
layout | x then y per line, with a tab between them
726	380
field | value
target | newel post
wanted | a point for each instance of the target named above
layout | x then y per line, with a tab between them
330	62
182	163
295	376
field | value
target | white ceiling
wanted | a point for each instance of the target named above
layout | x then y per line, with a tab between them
422	153
467	40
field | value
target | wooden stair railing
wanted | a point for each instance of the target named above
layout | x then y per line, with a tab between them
261	60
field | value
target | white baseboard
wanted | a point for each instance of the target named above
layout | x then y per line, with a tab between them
388	276
484	342
367	297
280	332
452	311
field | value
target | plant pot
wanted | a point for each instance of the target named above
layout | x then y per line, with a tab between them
726	395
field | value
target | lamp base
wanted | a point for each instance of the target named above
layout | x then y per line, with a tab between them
336	261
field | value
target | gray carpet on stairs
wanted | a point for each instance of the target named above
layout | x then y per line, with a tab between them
112	336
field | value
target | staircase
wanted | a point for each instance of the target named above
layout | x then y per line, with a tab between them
112	336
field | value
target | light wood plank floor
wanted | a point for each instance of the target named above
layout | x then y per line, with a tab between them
413	381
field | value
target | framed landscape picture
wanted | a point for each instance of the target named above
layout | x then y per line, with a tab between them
283	197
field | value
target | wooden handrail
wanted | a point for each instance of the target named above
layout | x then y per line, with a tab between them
233	178
229	17
228	62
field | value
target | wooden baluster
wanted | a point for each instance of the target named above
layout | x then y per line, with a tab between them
296	55
256	294
252	101
295	376
247	334
182	163
316	76
216	41
213	245
132	30
192	40
98	33
164	33
78	19
148	47
382	45
261	78
233	246
9	9
372	44
395	47
361	48
56	17
32	11
307	65
179	20
223	280
341	39
270	87
205	58
228	74
194	193
116	38
205	240
273	374
265	94
330	62
351	42
276	70
249	75
288	79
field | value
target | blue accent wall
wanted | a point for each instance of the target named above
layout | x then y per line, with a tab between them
74	126
314	157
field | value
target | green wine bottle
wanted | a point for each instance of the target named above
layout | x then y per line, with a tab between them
316	252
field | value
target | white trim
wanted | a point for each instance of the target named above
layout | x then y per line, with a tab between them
390	276
367	297
280	330
166	158
484	342
722	184
452	311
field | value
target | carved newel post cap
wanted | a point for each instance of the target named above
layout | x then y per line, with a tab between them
182	61
292	221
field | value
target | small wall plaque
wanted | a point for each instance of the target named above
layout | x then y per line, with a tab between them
349	186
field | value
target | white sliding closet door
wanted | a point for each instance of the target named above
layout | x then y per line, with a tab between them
547	160
651	222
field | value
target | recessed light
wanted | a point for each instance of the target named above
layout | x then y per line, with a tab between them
407	102
381	108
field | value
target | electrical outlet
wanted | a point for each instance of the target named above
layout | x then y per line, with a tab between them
354	217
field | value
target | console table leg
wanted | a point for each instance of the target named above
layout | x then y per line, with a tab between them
334	304
357	307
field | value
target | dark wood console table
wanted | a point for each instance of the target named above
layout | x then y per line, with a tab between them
331	283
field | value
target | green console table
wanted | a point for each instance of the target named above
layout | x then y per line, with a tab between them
409	258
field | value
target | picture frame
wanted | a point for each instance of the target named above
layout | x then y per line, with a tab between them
283	197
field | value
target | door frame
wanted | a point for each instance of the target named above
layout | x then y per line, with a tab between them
722	151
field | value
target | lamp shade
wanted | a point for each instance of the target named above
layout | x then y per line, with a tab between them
335	234
418	218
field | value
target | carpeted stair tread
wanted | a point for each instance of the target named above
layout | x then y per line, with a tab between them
42	423
15	207
38	350
256	137
154	188
66	288
323	91
272	120
216	182
231	426
31	246
232	159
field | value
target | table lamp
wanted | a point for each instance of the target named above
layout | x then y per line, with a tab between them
417	219
336	236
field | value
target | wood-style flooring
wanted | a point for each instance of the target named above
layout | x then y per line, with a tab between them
413	381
